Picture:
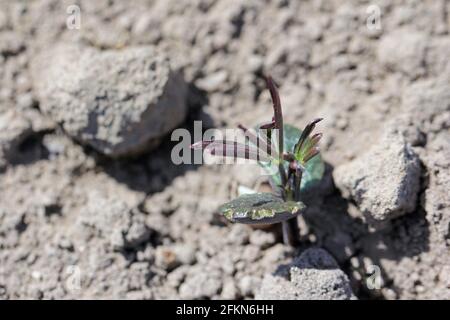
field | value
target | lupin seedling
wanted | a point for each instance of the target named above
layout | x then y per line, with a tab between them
291	159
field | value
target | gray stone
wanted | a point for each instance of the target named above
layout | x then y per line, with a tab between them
202	282
314	275
115	220
384	181
170	257
229	290
212	82
262	239
248	285
117	101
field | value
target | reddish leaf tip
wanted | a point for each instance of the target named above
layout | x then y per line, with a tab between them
315	121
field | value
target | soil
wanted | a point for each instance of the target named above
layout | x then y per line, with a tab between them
75	223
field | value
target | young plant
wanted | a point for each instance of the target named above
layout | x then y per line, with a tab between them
291	159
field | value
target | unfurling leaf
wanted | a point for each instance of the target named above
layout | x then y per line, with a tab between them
304	142
313	169
260	208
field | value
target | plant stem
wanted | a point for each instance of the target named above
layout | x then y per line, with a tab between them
297	183
291	232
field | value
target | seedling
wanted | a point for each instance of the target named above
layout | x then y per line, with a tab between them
291	159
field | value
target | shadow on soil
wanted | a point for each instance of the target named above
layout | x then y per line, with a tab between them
345	235
153	171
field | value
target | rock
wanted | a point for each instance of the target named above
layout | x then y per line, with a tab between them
314	275
275	254
113	219
404	51
200	283
170	257
25	101
255	63
384	181
262	239
166	258
229	290
248	285
176	277
212	82
137	231
117	101
238	235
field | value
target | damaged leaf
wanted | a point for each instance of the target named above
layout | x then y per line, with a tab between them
260	208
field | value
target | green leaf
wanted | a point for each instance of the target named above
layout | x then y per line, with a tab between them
314	167
260	208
